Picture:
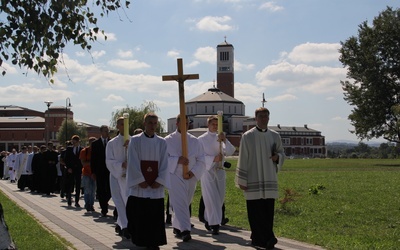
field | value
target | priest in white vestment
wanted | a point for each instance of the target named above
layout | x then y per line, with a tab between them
11	163
261	155
146	182
116	162
23	169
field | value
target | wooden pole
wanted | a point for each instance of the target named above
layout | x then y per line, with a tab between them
181	78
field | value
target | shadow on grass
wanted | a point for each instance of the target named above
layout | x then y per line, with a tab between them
387	165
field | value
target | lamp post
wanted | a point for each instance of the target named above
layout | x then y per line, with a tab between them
67	105
48	103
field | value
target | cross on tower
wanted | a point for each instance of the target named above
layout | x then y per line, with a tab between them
181	78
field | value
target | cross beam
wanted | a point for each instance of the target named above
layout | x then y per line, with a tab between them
181	78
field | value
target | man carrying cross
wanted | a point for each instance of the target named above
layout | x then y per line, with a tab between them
182	188
185	163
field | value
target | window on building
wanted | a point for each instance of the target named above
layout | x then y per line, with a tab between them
205	109
286	141
213	109
224	68
224	56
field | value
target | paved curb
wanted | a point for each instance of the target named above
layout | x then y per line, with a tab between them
90	231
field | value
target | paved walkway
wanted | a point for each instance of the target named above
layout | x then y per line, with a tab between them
90	231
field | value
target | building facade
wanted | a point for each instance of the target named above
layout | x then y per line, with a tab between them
21	126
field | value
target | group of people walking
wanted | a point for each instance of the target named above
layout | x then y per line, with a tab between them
135	171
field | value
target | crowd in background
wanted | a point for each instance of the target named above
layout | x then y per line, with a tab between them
136	170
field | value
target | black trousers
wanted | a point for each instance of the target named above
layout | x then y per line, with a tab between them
25	181
69	185
103	191
261	219
146	221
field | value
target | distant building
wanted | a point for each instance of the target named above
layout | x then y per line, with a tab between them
22	126
297	141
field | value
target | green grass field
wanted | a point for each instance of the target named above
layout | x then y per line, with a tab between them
341	204
26	232
354	203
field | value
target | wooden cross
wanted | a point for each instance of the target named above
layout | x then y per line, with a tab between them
181	78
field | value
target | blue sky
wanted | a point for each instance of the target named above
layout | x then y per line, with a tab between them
287	49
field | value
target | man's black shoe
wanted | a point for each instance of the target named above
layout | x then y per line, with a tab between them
224	221
177	232
207	226
186	236
125	233
215	229
271	243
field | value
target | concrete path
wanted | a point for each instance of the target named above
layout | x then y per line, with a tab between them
90	231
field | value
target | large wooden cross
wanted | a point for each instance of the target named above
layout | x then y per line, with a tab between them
181	78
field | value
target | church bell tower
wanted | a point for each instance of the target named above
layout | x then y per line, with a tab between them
225	73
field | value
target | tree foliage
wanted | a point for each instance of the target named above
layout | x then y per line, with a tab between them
373	68
72	128
136	116
34	33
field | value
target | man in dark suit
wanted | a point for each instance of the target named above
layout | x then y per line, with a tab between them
74	170
49	175
100	171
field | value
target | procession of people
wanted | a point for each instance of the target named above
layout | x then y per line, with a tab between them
136	171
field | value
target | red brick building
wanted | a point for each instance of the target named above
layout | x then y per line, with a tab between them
22	126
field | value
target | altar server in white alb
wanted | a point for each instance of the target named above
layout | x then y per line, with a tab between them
11	163
213	181
116	161
182	190
23	169
261	155
147	178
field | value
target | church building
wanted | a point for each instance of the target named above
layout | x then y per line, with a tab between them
297	141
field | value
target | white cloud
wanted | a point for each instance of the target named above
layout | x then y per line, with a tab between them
303	77
206	54
240	66
192	64
125	54
309	67
128	64
173	53
98	54
110	36
113	98
246	92
214	23
10	69
314	52
30	93
271	6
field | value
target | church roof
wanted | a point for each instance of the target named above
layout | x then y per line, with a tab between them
214	95
225	44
